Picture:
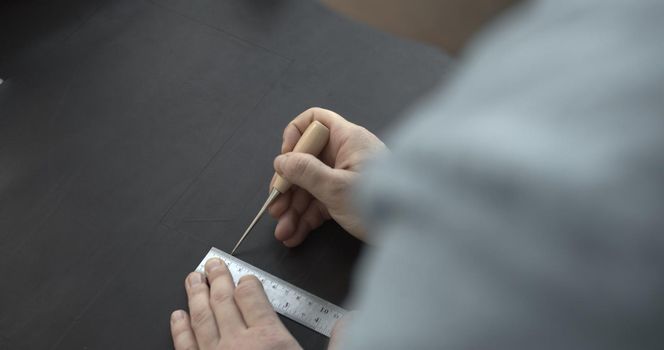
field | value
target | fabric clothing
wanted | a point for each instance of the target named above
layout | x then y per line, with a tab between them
522	205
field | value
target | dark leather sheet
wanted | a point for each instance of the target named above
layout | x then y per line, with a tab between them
135	135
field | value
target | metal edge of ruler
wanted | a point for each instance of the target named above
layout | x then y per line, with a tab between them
329	312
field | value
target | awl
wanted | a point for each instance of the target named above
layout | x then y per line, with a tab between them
312	141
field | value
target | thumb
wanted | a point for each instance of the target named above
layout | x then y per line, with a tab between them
305	171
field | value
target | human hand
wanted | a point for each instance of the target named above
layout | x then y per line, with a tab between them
321	186
227	317
339	332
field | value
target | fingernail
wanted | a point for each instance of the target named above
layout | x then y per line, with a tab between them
243	278
195	278
213	264
177	315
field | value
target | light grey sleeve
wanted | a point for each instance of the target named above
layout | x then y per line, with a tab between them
524	206
477	260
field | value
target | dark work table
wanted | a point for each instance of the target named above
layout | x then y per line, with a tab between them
135	135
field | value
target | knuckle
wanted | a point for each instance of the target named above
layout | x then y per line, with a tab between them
197	289
220	297
315	110
290	127
362	130
248	287
337	186
181	336
187	346
184	342
361	133
200	317
216	273
179	331
267	316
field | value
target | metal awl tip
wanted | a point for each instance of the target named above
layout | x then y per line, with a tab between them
269	200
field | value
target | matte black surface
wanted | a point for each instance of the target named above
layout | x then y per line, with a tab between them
136	134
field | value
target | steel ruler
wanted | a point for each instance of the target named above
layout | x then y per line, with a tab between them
286	299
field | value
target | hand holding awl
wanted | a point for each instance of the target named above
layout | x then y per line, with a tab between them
312	141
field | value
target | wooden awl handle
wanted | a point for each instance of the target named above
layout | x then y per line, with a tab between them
312	141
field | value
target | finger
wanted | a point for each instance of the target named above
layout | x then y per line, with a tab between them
307	172
280	205
296	127
202	318
298	236
330	119
286	225
252	301
183	335
338	330
315	214
229	319
311	219
292	134
300	200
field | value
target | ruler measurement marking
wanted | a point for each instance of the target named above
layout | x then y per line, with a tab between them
286	299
